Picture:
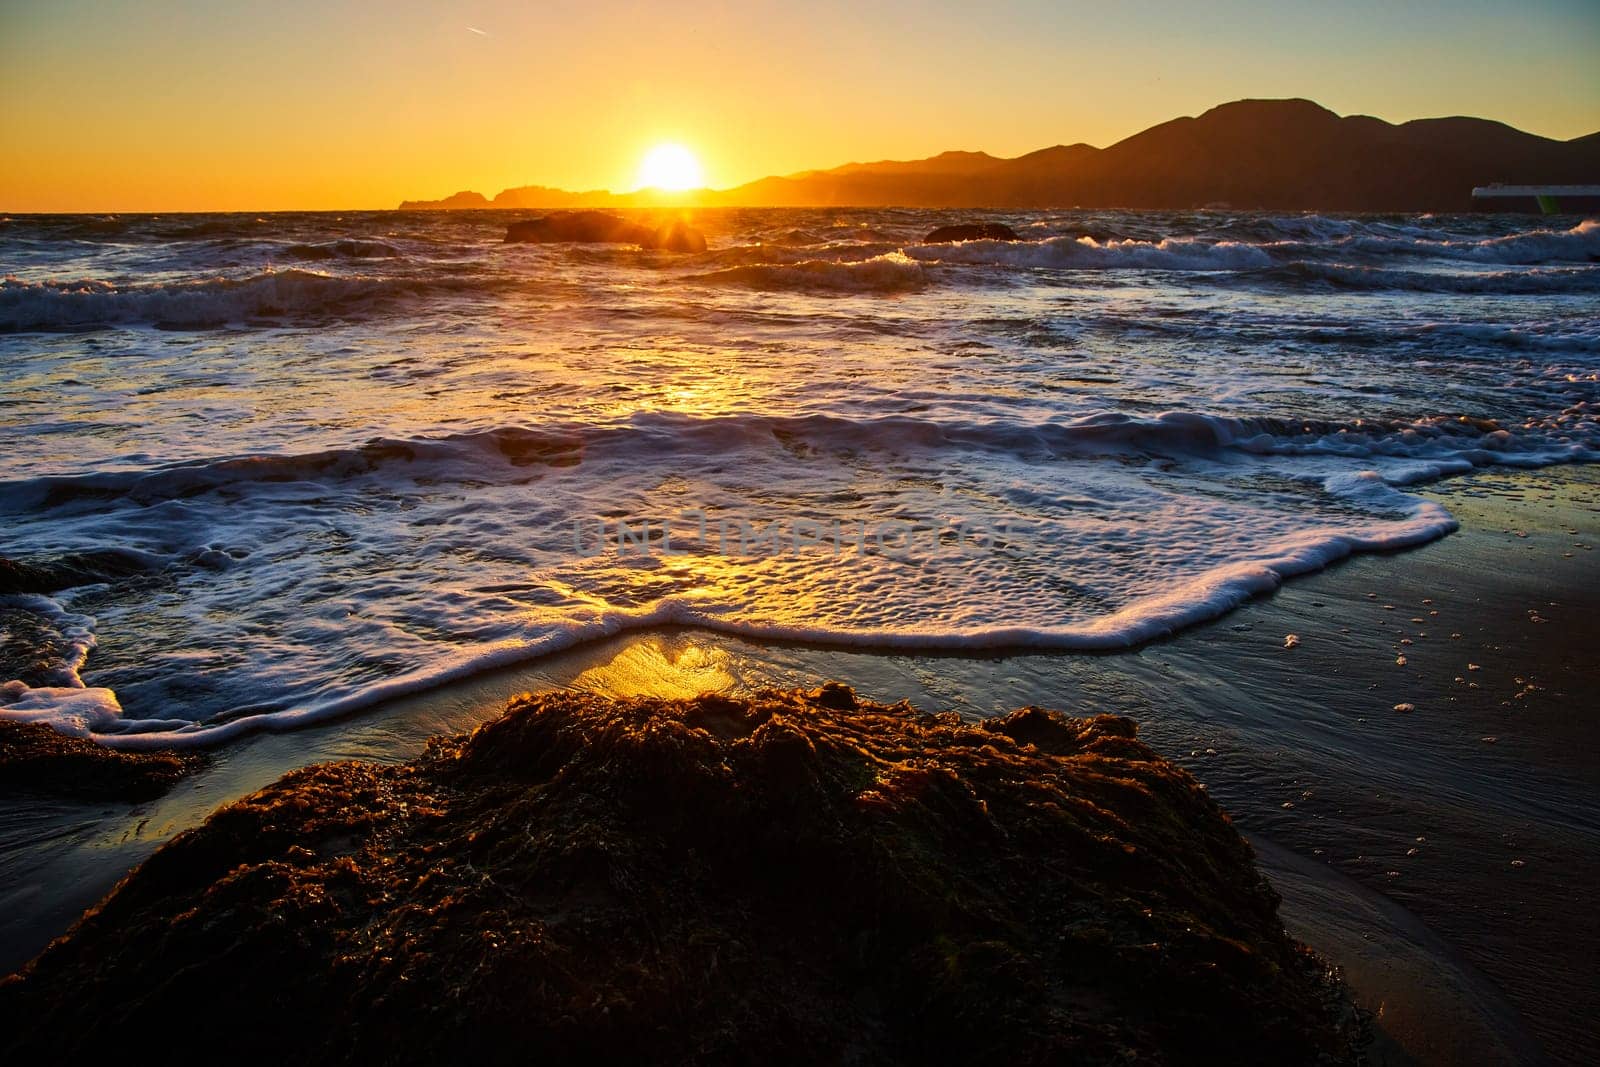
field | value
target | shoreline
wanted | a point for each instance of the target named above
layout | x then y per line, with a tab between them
1304	747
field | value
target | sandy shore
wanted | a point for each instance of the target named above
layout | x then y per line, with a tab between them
1418	772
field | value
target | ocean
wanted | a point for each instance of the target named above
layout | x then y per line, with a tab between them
319	460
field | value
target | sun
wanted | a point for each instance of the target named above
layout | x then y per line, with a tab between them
671	167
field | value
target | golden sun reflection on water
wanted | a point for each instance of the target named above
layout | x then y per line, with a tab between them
649	667
703	384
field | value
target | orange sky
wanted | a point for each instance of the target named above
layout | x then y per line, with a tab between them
163	106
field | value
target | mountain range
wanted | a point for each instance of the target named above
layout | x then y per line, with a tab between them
1267	154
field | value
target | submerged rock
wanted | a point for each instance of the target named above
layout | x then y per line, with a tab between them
798	878
678	236
64	572
972	231
598	227
34	758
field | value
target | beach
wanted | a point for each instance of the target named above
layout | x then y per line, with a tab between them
1309	499
1438	854
716	534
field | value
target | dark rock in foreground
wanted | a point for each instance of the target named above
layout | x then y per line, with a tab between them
35	758
972	231
598	227
795	879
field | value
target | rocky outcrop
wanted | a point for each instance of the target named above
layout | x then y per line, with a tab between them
798	878
972	231
466	200
599	227
36	759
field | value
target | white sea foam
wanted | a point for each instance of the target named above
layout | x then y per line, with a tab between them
76	633
1580	244
62	700
1332	250
73	710
1086	253
96	712
892	272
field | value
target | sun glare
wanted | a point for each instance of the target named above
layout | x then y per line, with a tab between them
670	166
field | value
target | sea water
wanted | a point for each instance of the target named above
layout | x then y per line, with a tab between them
339	457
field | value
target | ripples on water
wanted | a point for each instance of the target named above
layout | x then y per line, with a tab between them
348	452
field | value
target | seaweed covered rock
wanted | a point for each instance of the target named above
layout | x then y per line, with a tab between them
34	758
971	231
802	877
599	227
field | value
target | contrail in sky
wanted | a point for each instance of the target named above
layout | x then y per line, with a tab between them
480	33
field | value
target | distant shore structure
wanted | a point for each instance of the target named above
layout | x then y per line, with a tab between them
1541	199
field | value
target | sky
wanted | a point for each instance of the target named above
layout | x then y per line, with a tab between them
163	105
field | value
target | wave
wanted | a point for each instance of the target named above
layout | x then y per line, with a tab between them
1088	253
1302	274
893	272
76	634
1313	236
44	305
344	249
96	712
1581	244
1450	443
1454	340
1552	338
796	238
63	700
1314	242
230	226
513	446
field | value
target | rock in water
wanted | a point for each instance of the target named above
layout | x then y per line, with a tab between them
598	227
679	236
797	878
971	231
64	572
579	226
34	758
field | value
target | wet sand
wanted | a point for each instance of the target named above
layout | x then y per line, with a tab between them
1434	828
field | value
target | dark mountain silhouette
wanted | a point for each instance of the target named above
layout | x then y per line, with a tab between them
1273	154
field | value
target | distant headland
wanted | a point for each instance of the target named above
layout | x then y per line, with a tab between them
1266	154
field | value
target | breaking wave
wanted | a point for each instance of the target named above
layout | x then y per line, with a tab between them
43	305
345	249
1087	253
893	272
1581	244
514	454
1330	248
1303	274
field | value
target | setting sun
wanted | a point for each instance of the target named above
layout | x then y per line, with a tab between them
671	167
